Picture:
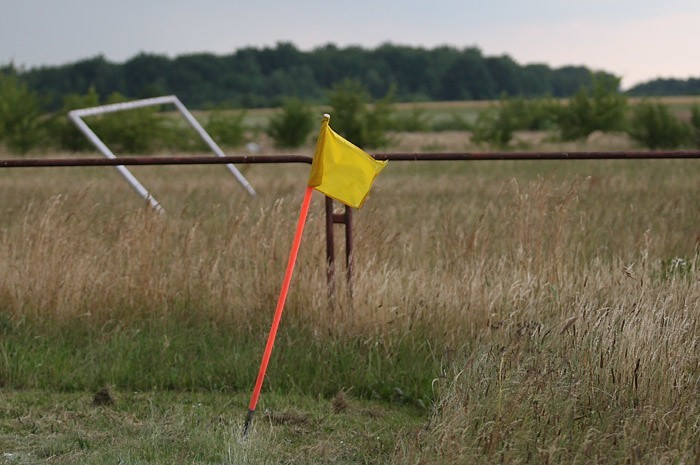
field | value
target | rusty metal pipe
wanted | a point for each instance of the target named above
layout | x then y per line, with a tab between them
467	156
349	249
395	156
330	251
65	162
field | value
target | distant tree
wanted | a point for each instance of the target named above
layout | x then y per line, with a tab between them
568	80
411	70
290	127
132	131
506	74
63	133
655	127
54	83
146	75
226	128
352	117
255	77
599	108
666	87
695	123
348	100
378	120
532	114
20	115
497	124
468	78
494	126
536	80
285	55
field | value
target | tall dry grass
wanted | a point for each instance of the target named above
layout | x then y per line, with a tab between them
550	310
572	307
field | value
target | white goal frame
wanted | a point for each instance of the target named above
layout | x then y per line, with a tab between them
76	116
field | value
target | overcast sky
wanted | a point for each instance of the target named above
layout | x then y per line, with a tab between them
638	40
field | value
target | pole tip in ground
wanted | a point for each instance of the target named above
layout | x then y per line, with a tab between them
248	422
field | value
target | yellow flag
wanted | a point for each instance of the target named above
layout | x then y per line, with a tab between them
342	170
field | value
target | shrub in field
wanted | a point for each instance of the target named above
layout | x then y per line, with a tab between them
226	129
655	127
600	108
531	114
62	132
695	123
290	127
353	119
20	116
134	131
494	126
176	135
348	100
377	122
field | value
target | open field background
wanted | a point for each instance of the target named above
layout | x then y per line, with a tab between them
514	312
435	112
469	109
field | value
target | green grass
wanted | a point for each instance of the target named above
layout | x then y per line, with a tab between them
165	427
177	354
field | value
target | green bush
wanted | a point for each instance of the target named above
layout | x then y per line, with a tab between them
139	130
531	114
226	129
695	123
132	131
353	118
290	128
600	108
175	134
63	134
494	126
497	125
377	122
21	128
655	127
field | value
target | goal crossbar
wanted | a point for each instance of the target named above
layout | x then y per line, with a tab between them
76	116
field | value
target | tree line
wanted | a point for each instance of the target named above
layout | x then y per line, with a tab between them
357	116
266	77
666	87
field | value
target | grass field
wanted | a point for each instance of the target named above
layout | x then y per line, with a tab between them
469	110
504	312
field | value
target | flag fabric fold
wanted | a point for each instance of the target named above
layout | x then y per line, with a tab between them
342	170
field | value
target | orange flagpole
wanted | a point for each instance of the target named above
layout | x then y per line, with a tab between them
280	307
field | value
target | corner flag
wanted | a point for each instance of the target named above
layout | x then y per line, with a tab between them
342	170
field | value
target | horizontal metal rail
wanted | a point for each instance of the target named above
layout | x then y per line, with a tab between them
146	161
393	156
467	156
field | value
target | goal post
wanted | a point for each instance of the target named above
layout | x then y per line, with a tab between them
76	116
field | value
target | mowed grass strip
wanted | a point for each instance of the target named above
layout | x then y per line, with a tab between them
196	427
